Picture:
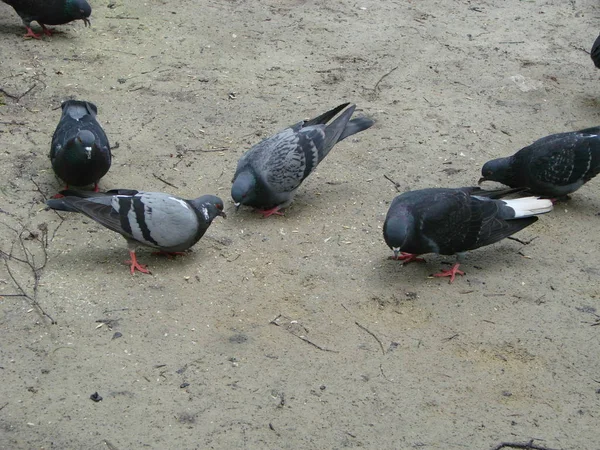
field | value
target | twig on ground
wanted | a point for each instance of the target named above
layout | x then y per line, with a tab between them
372	334
164	181
18	96
395	183
527	446
301	337
512	238
381	79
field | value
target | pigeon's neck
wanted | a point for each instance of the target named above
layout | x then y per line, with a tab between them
244	187
76	152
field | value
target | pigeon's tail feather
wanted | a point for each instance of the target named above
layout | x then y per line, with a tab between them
60	204
79	108
326	116
334	130
356	126
595	53
92	194
492	193
529	206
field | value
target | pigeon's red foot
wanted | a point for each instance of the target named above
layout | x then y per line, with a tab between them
450	272
96	187
57	196
169	255
47	31
134	265
30	33
407	258
269	212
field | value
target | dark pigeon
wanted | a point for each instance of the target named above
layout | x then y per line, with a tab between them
162	221
595	53
50	12
450	221
268	174
553	166
80	152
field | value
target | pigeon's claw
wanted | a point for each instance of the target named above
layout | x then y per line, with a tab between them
450	272
407	258
134	265
47	31
269	212
30	33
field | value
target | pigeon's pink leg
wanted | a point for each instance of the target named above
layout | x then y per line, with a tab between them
407	258
169	255
134	265
47	31
30	33
96	187
269	212
450	272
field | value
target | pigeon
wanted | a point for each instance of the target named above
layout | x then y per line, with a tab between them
268	174
50	12
450	221
595	53
553	166
154	219
80	152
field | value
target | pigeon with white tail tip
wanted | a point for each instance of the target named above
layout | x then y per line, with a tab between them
452	221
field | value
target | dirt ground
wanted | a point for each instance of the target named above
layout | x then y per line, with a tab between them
297	332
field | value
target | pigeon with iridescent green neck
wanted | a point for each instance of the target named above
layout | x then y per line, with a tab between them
80	152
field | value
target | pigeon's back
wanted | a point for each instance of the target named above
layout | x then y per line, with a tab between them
560	164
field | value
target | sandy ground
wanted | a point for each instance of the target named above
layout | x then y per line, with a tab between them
297	332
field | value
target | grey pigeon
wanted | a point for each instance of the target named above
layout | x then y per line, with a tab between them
595	53
450	221
80	152
154	219
50	12
553	166
268	174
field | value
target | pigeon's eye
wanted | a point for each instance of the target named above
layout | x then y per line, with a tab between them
219	206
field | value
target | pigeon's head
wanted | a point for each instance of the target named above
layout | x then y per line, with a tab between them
209	207
497	170
243	190
85	141
396	229
79	9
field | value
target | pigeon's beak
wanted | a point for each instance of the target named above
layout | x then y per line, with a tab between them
87	22
481	180
237	205
396	252
88	151
222	214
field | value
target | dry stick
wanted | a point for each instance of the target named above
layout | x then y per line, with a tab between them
35	271
396	184
164	181
38	189
527	446
308	341
381	79
18	97
325	349
522	242
372	334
